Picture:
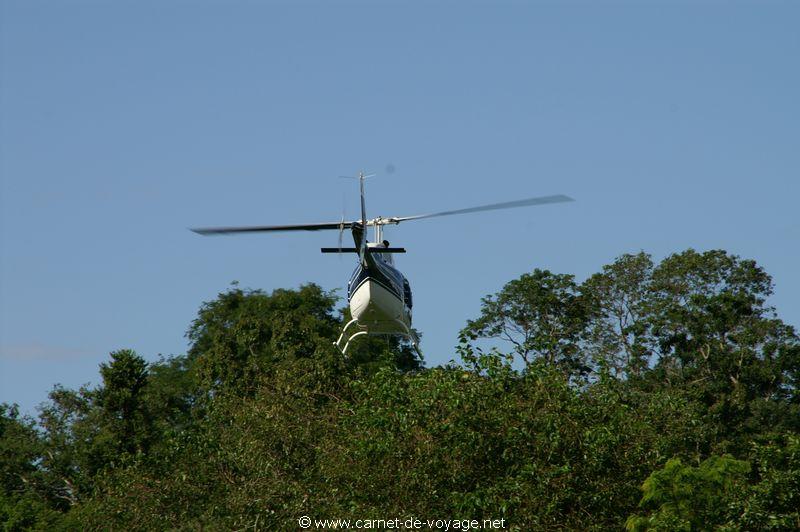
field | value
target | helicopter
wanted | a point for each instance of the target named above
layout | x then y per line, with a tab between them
378	294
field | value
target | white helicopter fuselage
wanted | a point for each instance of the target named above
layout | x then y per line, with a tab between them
379	295
372	303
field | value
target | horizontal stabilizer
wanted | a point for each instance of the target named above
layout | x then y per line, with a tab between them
339	250
369	250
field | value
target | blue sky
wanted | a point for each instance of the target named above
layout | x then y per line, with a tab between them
674	125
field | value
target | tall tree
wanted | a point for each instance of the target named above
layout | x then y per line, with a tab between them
542	315
68	436
617	334
126	422
711	322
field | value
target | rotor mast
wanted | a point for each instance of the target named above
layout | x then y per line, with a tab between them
362	246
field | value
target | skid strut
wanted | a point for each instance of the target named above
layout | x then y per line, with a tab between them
364	330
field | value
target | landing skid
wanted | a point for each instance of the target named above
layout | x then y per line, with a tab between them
363	330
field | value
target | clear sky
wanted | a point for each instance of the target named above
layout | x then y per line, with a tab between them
674	125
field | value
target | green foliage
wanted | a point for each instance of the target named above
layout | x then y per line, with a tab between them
773	503
171	395
24	503
715	495
616	334
646	372
541	315
371	353
248	462
19	449
69	461
84	433
710	323
446	441
716	337
684	497
492	442
126	423
239	337
27	512
242	336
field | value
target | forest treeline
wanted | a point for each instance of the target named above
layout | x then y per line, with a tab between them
652	396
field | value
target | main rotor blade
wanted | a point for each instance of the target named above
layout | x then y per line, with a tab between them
541	200
271	228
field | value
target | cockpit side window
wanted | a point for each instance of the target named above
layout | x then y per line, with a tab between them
407	292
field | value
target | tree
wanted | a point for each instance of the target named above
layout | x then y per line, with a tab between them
617	334
242	335
68	460
20	448
716	336
708	315
24	504
90	430
542	315
126	423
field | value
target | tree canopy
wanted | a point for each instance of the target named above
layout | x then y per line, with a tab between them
651	395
